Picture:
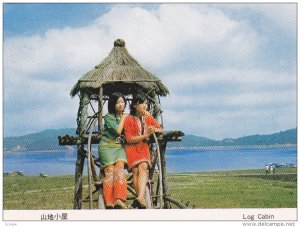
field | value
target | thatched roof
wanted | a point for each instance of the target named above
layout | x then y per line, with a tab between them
119	71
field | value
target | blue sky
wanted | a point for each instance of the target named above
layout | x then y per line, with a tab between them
36	19
230	68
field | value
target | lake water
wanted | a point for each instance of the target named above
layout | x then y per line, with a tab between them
178	160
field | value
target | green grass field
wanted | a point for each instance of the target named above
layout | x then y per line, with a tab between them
219	189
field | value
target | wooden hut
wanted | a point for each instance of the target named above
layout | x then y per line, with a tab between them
118	72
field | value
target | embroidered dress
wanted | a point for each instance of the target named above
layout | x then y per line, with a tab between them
137	152
110	150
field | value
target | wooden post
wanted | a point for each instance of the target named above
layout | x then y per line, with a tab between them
160	113
100	109
82	116
78	176
163	145
156	108
101	203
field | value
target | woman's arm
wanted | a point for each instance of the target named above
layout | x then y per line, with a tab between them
136	139
121	124
153	125
129	129
152	129
111	123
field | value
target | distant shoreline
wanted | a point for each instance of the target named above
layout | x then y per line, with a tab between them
237	147
285	170
41	151
181	147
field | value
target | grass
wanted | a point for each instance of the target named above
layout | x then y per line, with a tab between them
233	192
218	189
34	192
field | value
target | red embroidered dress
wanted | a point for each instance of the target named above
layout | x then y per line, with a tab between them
137	152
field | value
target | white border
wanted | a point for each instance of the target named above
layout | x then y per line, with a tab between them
262	215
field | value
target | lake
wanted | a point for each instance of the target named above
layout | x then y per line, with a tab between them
178	160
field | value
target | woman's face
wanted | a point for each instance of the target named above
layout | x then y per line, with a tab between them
120	105
141	108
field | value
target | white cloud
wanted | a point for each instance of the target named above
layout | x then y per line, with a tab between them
203	55
235	100
279	15
160	38
283	15
156	38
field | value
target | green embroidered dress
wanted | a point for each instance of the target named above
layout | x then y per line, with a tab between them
110	150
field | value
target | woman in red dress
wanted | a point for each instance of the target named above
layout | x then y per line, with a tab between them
138	127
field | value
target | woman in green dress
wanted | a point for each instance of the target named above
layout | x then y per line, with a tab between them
112	154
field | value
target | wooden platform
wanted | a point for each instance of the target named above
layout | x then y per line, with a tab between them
75	140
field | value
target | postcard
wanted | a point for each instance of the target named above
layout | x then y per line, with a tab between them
150	112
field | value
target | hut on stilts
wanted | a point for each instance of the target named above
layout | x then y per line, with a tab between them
118	72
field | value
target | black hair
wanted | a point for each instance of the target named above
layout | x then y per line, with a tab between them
137	99
113	101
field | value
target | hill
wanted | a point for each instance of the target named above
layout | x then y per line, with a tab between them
280	138
193	141
47	140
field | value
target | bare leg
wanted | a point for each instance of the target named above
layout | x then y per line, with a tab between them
135	178
142	181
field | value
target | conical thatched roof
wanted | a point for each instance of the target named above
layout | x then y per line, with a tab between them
119	71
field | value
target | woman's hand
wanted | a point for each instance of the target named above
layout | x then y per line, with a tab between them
121	124
151	129
124	116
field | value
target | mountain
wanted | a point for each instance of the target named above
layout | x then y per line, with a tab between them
286	137
193	141
281	138
47	140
